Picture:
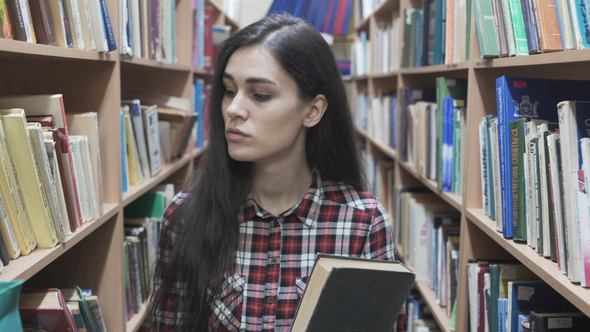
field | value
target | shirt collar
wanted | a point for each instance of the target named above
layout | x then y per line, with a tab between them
306	210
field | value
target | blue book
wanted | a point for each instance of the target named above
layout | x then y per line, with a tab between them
583	12
108	28
200	110
522	321
502	314
531	99
530	26
527	296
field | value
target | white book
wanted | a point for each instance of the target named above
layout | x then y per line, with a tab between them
82	185
28	21
530	173
44	171
577	34
567	35
94	211
495	155
150	122
125	47
74	14
569	152
87	26
583	210
135	28
97	21
556	185
542	129
54	167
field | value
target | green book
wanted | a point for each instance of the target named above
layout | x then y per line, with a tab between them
468	31
407	49
520	41
151	204
518	194
487	32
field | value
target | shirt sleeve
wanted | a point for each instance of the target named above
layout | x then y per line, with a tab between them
379	244
164	312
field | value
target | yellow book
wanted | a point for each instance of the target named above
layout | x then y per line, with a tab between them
37	206
133	165
14	200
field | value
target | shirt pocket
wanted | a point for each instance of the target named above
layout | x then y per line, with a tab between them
300	285
226	308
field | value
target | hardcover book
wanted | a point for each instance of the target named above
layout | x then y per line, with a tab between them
352	294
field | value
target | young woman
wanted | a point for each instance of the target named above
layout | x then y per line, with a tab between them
280	181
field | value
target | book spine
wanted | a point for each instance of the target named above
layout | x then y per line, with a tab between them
108	28
583	13
518	27
5	25
549	33
504	150
18	24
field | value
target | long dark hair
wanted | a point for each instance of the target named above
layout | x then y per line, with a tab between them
206	222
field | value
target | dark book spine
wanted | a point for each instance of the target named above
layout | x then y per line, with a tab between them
18	23
108	27
67	23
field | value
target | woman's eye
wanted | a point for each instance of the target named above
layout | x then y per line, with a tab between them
261	97
230	93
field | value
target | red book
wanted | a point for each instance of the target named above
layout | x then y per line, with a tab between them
46	310
208	48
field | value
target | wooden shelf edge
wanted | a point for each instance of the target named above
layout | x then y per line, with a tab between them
202	72
381	76
387	150
25	267
169	169
455	200
542	267
461	66
562	57
134	323
17	47
153	64
438	312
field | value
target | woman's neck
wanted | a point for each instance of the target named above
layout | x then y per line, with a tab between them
278	187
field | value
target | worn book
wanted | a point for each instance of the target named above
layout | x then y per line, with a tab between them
352	294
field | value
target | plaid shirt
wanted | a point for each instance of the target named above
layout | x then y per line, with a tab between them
276	254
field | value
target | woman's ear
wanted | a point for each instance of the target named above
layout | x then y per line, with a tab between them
315	111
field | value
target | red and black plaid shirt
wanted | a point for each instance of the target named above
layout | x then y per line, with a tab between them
276	254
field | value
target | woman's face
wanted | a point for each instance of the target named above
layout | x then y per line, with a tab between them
262	109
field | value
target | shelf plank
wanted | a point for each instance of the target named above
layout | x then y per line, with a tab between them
169	169
542	267
387	150
360	78
153	64
201	72
563	57
14	48
455	200
134	323
436	69
25	267
439	313
392	74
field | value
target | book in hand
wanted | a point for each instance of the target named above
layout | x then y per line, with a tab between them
352	294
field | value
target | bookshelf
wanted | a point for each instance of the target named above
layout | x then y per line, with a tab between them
92	256
478	237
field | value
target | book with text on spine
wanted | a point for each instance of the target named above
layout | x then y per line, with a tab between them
352	294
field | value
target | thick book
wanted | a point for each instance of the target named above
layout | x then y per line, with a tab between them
352	294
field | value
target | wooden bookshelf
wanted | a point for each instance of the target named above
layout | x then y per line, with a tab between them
479	239
168	169
92	257
541	266
439	313
135	322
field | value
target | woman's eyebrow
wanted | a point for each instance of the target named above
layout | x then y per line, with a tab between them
251	80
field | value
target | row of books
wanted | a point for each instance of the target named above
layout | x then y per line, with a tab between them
49	173
332	17
153	134
80	24
427	231
523	27
386	46
535	157
418	315
436	33
66	309
143	219
148	29
201	100
505	296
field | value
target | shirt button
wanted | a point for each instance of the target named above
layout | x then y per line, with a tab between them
274	260
270	300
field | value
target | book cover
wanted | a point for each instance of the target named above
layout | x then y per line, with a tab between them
5	24
352	294
46	310
150	122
